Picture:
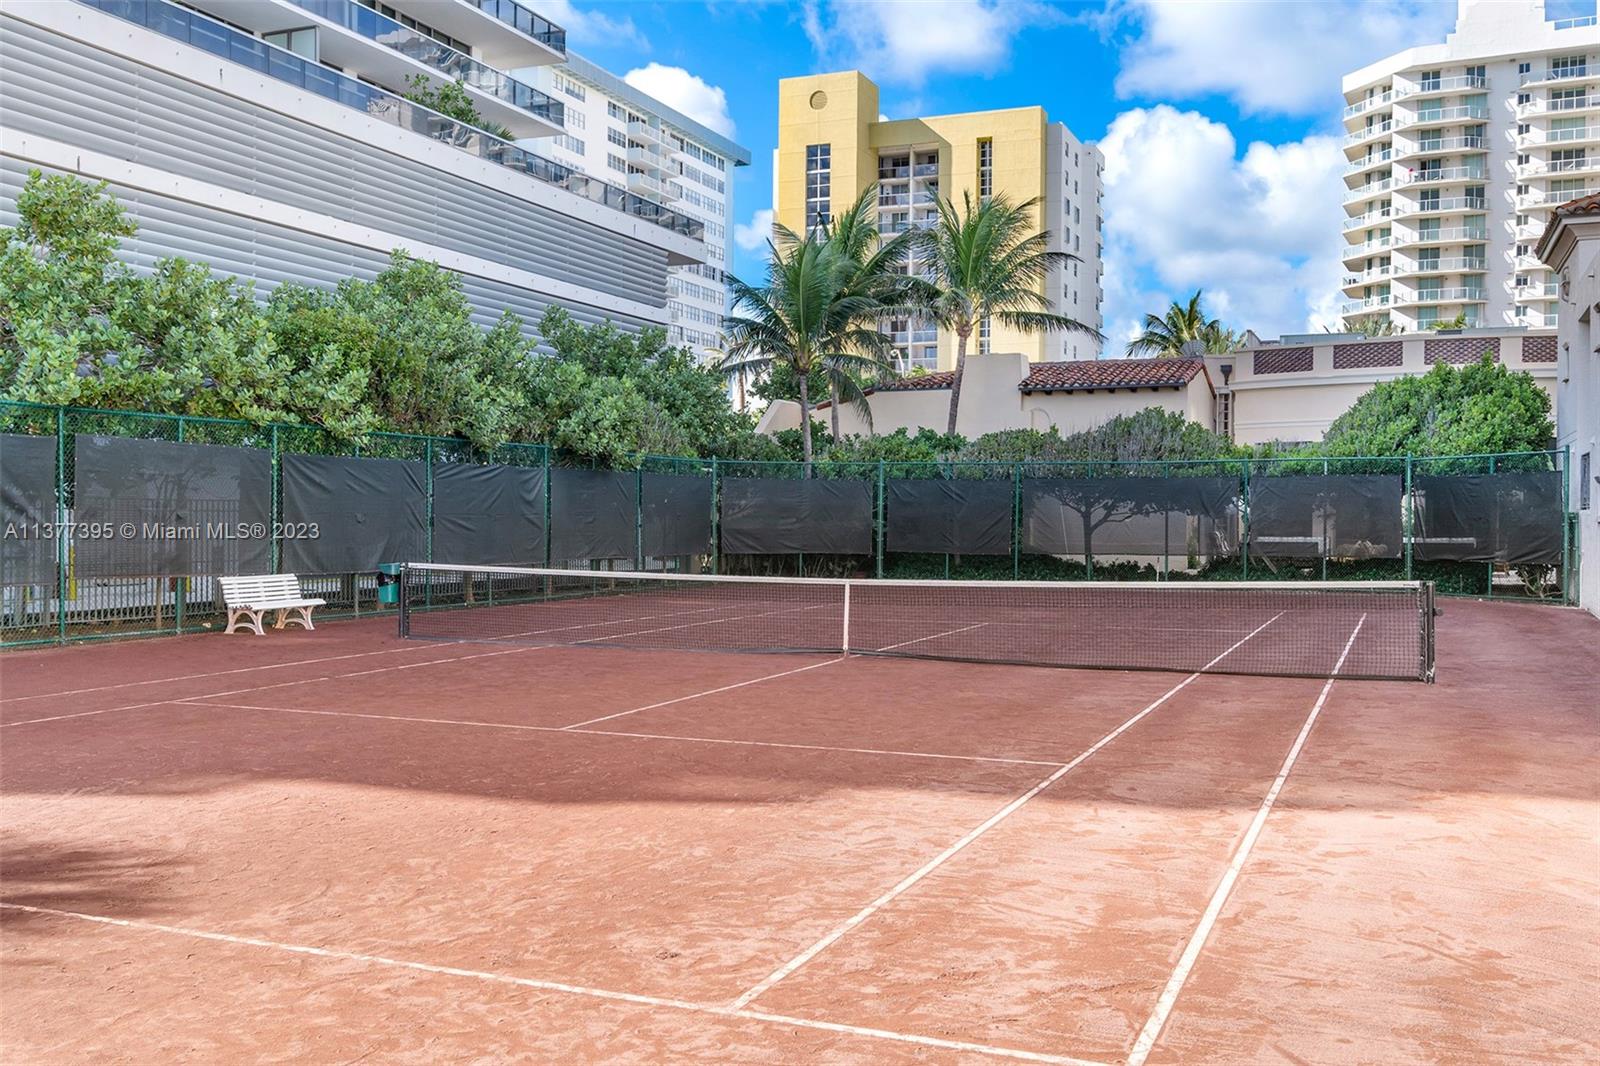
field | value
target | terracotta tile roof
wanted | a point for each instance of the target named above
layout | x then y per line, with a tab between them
1583	205
1084	374
919	382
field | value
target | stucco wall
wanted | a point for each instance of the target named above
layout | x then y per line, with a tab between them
1578	400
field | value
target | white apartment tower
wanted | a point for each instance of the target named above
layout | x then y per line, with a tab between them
275	140
1457	152
621	135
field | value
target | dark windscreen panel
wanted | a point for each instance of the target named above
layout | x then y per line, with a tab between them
1143	516
365	512
172	509
594	514
1502	518
27	510
677	515
958	516
1348	516
488	514
771	516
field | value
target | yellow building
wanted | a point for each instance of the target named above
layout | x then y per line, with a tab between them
833	143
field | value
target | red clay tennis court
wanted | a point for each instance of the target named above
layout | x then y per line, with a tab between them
343	845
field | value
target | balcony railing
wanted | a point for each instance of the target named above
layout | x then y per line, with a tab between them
1353	306
1460	113
1467	295
1442	174
457	66
1368	277
1560	74
518	17
894	199
1371	218
1444	236
193	28
1539	292
1376	244
1445	85
1445	204
1361	107
1368	162
893	172
1368	133
1555	197
925	170
1429	145
1371	188
1558	166
1453	265
1569	103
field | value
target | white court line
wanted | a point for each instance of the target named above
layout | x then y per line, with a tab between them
993	820
212	673
557	986
1146	1041
617	733
707	692
919	640
263	688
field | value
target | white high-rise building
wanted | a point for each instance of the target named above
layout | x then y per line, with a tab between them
1457	154
277	141
621	135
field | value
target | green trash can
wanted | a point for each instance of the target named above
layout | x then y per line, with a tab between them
389	583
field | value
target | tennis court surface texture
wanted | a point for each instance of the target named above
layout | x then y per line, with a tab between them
340	845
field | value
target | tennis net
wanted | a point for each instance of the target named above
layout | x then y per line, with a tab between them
1380	629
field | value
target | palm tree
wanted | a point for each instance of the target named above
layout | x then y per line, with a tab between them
809	317
984	261
1179	330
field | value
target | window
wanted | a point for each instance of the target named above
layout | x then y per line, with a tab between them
571	88
617	163
986	168
1524	127
1479	71
819	181
570	143
1524	98
1584	481
615	110
983	336
616	137
1568	67
575	120
1429	80
302	42
1524	68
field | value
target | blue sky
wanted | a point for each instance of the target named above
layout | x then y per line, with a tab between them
1220	121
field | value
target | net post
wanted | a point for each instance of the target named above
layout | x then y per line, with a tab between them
404	612
1016	520
844	642
61	522
1407	533
882	514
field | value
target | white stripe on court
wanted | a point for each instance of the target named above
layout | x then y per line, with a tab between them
263	688
557	986
993	820
1146	1041
617	733
707	692
919	640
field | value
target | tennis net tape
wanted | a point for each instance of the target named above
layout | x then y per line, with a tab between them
1278	628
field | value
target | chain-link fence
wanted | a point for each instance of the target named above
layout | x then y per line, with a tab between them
119	523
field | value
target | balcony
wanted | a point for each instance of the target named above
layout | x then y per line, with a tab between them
1570	136
1542	167
645	133
1366	248
1369	132
1459	113
1368	162
894	199
1368	277
888	173
1353	307
1444	205
510	53
649	158
1440	175
1449	85
1369	190
1567	105
1454	265
1371	218
1442	146
522	109
198	30
1545	77
1466	295
1454	235
1555	197
925	170
1542	291
1361	107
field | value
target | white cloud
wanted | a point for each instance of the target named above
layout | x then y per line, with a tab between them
589	27
678	89
1260	234
908	40
1269	57
753	235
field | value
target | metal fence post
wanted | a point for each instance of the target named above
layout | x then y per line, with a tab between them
1016	520
274	551
427	452
882	516
716	518
547	474
1244	523
180	583
62	558
638	517
1489	587
1408	518
1566	525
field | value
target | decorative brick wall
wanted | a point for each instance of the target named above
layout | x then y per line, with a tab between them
1459	350
1282	361
1539	349
1369	354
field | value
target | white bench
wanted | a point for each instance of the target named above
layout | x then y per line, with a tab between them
248	598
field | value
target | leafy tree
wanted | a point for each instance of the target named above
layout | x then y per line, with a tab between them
453	101
1370	326
986	262
1480	407
1458	322
809	316
1152	434
1183	325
